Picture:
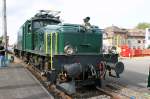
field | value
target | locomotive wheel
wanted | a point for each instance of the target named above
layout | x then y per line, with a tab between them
39	63
35	59
31	60
24	58
46	66
102	70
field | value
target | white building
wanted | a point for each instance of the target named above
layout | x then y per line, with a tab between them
147	38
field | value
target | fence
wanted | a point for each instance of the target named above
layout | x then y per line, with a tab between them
128	52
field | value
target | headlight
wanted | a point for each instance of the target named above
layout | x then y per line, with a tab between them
69	49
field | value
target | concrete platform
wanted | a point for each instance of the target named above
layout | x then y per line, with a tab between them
16	82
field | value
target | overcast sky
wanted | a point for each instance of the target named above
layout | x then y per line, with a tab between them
104	13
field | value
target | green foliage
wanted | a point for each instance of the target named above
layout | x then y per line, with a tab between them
148	47
1	39
143	25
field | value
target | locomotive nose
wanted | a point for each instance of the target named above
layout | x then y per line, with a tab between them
73	70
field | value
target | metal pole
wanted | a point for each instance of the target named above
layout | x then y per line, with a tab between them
4	27
4	23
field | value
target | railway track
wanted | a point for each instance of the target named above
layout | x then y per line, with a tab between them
82	93
89	92
124	92
112	90
58	94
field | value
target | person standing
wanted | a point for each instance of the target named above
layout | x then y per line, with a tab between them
148	85
87	23
2	55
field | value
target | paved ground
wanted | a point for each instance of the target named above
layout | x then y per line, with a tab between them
135	77
136	71
16	82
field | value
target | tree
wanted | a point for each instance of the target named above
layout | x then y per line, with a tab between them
148	47
1	39
143	25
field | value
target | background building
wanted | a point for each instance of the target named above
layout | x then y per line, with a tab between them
133	38
136	38
147	38
115	36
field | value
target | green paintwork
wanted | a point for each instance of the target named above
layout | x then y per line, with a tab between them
83	41
24	38
60	43
20	39
28	41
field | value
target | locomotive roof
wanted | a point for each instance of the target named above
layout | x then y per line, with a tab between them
47	15
70	28
69	25
52	19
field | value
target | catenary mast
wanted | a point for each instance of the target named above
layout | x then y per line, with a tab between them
4	22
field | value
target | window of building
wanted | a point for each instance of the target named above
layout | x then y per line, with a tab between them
139	41
129	42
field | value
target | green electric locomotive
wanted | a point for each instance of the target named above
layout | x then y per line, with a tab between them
69	55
